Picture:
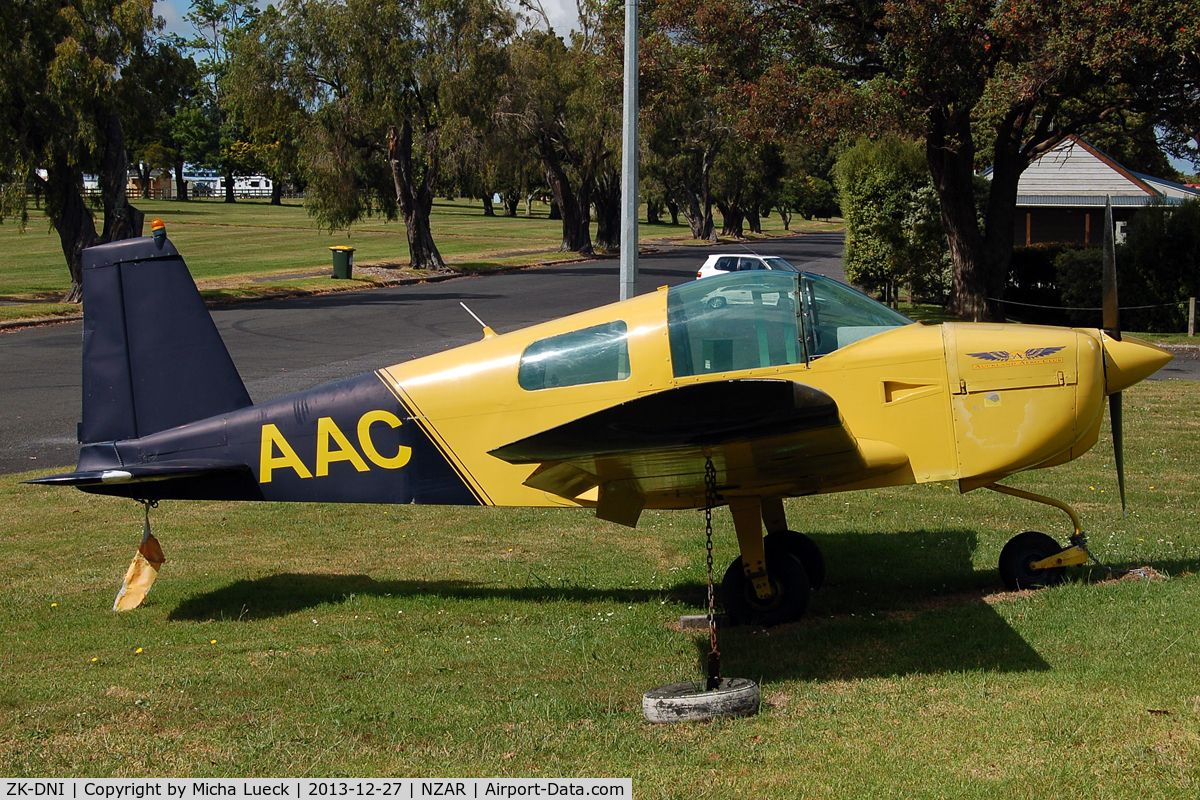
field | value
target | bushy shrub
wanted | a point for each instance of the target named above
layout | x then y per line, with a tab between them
1034	291
894	234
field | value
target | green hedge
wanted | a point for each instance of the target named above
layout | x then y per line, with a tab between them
1159	267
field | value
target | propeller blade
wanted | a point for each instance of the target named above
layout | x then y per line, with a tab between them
1114	411
1108	280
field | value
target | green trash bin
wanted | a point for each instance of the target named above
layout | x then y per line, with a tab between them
343	261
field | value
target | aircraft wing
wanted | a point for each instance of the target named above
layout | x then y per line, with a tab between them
765	437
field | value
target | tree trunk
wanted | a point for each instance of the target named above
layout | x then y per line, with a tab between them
416	201
511	200
121	220
653	211
753	220
276	192
488	211
574	207
181	192
230	197
572	202
555	211
672	209
71	217
608	213
144	177
979	266
700	222
696	202
731	219
785	217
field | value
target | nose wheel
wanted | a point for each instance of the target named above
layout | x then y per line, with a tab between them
1019	556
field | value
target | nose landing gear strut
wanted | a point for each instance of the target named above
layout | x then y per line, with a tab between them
1032	558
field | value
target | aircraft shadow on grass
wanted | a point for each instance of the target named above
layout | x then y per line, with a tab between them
290	592
910	602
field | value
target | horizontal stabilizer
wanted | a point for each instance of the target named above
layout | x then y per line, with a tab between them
138	473
180	480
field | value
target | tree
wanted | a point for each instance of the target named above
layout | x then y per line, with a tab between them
156	83
218	23
706	139
263	100
59	114
748	178
544	77
987	83
386	80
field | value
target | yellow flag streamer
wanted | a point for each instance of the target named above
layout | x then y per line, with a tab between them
142	572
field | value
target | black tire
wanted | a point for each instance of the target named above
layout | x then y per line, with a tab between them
717	302
802	548
1021	551
691	702
789	602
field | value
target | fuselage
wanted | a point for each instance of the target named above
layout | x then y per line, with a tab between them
917	403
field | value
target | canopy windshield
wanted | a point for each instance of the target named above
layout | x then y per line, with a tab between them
766	318
836	315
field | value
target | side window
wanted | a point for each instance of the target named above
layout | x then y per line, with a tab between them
726	264
746	320
592	355
746	264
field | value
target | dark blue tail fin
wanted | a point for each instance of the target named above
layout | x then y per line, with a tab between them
152	357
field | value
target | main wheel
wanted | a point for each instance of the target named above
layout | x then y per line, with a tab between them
1020	553
717	302
802	548
787	604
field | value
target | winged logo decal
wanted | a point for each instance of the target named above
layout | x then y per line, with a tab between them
1034	355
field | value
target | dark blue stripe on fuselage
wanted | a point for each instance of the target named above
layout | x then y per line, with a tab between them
285	437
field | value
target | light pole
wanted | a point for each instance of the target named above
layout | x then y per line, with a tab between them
629	157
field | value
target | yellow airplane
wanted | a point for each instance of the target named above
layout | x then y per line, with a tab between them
738	390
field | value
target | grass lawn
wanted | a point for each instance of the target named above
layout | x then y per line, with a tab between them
320	640
231	248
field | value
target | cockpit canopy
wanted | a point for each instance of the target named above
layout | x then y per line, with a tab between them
749	320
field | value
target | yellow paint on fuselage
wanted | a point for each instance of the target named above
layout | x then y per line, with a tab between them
933	392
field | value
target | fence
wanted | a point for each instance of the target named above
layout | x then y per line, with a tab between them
195	191
1190	303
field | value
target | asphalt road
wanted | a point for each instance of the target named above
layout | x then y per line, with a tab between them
288	345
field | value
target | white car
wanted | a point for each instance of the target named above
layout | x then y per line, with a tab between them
737	262
739	295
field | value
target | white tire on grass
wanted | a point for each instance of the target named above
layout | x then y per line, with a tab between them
691	702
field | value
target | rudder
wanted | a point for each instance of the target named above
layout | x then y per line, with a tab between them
152	356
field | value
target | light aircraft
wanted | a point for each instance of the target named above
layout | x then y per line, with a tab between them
786	384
